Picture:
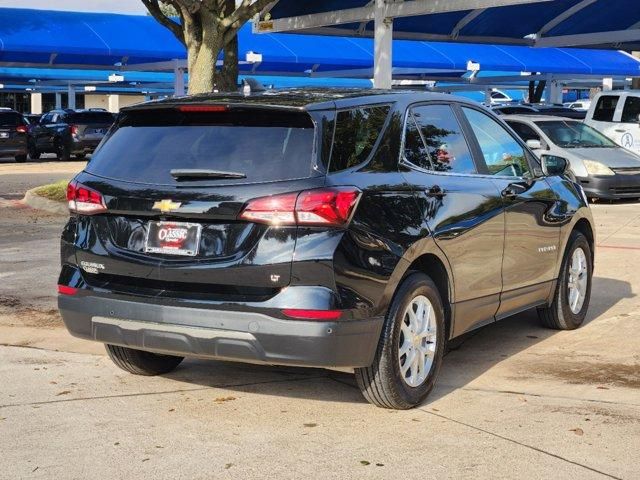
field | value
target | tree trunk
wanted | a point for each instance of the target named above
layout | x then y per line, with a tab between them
204	76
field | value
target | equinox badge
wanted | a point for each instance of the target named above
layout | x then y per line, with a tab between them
166	205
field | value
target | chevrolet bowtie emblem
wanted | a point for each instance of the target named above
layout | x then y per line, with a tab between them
166	205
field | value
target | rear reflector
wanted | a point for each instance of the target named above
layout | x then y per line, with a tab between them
323	206
203	108
66	290
312	314
84	200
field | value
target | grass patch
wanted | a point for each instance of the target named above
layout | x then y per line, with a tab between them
55	191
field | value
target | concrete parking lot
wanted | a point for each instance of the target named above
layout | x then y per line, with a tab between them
513	399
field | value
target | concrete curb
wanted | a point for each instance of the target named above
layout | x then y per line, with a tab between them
31	199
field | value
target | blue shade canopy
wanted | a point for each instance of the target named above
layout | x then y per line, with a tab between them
93	41
496	24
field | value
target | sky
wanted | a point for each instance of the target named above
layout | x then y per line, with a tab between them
115	6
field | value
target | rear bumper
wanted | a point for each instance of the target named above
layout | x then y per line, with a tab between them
13	150
220	334
84	146
612	186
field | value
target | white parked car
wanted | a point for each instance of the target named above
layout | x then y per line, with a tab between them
617	115
580	105
603	168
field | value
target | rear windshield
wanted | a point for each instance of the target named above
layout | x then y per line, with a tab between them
90	117
10	119
264	146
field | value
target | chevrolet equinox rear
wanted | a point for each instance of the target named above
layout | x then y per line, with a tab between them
317	228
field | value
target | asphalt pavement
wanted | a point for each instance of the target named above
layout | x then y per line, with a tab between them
513	400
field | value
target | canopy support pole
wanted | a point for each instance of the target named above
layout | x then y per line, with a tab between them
36	102
178	80
383	41
58	100
71	98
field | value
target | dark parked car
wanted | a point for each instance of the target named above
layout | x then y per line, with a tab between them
539	109
318	228
33	118
69	132
13	135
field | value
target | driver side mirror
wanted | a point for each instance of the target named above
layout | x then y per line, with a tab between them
553	165
534	144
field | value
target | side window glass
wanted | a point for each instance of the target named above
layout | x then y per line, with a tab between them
46	119
503	155
631	110
605	108
524	131
356	133
54	118
443	146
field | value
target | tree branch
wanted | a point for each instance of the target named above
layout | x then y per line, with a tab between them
154	9
243	14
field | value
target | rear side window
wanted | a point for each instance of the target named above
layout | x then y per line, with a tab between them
605	108
263	145
356	133
434	140
10	119
631	110
90	117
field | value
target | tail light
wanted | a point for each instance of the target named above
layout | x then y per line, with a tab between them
66	290
21	129
74	129
324	206
85	200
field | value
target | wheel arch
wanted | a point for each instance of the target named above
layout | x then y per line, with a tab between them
584	226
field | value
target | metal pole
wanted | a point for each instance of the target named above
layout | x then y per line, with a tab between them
71	99
383	42
178	81
58	100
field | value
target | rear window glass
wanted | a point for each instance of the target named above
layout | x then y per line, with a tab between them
264	146
90	117
356	133
605	108
10	119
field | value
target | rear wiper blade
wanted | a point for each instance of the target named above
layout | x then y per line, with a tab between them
196	173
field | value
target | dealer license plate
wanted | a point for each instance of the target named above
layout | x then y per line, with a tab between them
173	238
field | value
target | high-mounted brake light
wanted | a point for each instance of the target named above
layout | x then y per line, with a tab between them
21	129
203	108
323	206
312	314
84	200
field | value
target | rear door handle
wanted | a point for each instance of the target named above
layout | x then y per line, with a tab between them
435	192
513	190
620	130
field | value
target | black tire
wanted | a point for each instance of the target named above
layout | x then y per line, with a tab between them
382	383
21	158
62	151
140	362
558	314
34	154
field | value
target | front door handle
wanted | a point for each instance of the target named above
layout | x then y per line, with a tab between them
620	130
435	192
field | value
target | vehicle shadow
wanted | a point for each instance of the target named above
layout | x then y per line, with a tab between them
469	357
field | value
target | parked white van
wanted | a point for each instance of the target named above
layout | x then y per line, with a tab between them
617	115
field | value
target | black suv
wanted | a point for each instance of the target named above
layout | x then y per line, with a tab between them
13	135
318	228
69	132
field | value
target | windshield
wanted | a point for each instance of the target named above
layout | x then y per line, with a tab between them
261	147
568	134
